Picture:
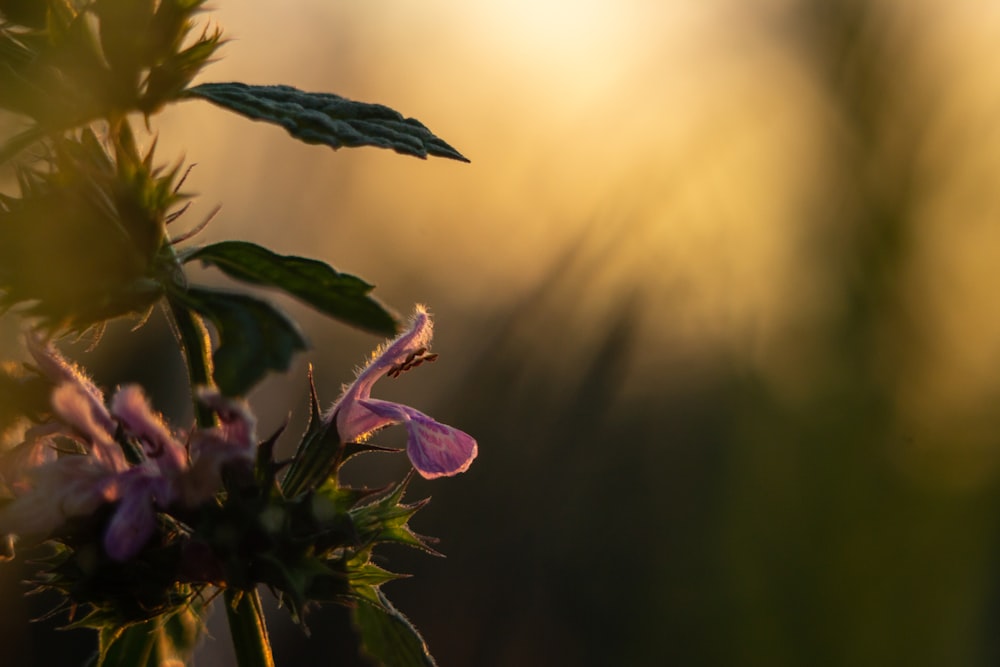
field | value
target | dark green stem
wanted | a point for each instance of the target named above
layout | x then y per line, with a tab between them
246	625
243	609
196	348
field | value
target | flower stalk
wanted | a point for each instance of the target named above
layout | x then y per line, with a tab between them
247	626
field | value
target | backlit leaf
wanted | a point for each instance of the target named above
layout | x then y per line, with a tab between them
254	337
387	635
325	118
339	295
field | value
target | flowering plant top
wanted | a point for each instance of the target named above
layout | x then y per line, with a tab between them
136	522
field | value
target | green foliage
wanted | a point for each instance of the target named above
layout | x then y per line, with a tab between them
339	295
387	520
325	118
254	337
85	240
100	60
153	643
388	636
246	625
112	593
317	452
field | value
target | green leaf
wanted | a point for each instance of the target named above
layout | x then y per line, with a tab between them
167	79
369	574
133	646
339	295
254	337
156	642
332	500
385	520
388	636
179	636
325	118
316	451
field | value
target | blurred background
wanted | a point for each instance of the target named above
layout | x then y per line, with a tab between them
717	296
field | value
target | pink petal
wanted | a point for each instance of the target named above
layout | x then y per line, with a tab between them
75	407
130	405
54	366
353	420
356	422
133	523
209	455
141	490
439	450
71	486
238	426
435	449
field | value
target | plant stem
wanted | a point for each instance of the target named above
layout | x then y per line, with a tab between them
243	608
196	348
246	625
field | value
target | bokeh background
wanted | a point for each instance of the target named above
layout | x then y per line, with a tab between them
717	295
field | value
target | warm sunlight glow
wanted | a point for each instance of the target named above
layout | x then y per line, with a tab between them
685	151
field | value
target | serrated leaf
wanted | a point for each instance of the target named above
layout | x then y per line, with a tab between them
339	295
385	520
388	636
403	535
369	574
254	337
325	118
332	500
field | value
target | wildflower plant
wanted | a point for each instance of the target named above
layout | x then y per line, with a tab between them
139	524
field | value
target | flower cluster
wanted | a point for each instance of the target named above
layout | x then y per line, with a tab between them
88	454
136	518
76	461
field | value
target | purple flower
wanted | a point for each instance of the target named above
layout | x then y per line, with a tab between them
54	488
435	449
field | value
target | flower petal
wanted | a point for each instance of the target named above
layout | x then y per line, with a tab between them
54	366
238	426
130	405
435	449
74	406
439	450
353	420
234	440
74	485
133	523
141	491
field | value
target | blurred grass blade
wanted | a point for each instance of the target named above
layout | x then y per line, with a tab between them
325	118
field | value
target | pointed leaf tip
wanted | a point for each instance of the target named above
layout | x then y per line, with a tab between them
325	118
339	295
